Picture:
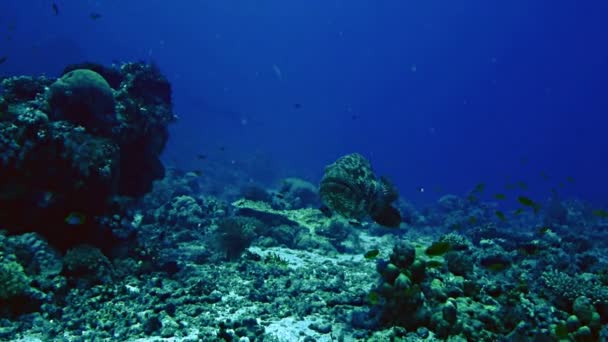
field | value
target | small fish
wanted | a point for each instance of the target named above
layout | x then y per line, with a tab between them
55	8
479	188
3	59
355	223
518	211
280	195
371	254
601	213
500	197
198	173
544	175
434	264
570	179
354	117
438	248
297	105
277	72
201	156
501	215
95	15
496	267
222	148
509	186
472	219
75	218
45	200
522	185
373	297
525	201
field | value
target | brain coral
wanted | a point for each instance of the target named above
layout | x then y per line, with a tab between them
83	97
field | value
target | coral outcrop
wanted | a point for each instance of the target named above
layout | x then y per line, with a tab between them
72	145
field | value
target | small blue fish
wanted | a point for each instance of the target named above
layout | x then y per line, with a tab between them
601	213
479	188
500	197
371	254
501	215
75	218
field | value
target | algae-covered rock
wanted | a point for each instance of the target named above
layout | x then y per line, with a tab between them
299	193
305	217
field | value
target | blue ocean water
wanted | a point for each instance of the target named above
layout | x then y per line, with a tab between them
439	96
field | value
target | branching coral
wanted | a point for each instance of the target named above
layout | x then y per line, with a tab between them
563	286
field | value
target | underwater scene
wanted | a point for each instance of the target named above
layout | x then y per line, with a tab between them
276	171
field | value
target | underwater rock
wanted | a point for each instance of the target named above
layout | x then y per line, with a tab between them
254	192
87	265
299	193
459	263
350	188
404	254
184	211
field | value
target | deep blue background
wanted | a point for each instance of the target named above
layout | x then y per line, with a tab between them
438	94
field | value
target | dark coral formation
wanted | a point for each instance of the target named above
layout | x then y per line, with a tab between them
75	143
350	187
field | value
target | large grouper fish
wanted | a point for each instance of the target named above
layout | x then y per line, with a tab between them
350	188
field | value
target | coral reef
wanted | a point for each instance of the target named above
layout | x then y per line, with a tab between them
74	144
98	242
